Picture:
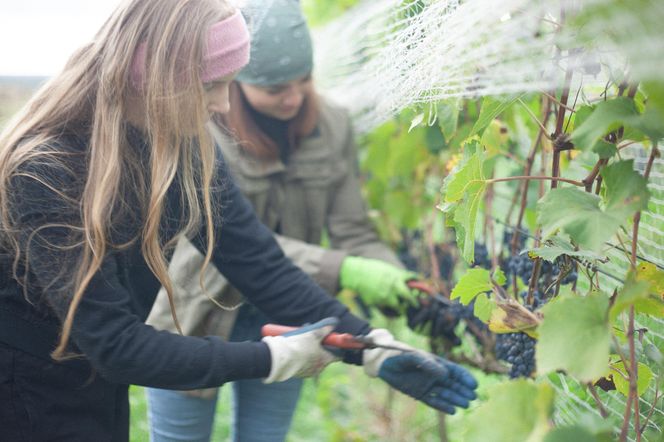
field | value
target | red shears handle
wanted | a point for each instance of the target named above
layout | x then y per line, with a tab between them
339	340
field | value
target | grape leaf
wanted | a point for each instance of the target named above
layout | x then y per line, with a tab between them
483	307
575	336
644	378
510	317
606	117
655	91
448	117
579	214
516	411
649	123
491	108
581	115
647	271
435	141
604	149
494	138
471	284
576	433
465	187
626	189
457	184
633	293
465	217
556	246
499	277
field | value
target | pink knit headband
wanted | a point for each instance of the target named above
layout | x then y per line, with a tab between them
227	51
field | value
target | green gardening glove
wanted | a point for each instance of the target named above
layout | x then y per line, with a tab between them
378	283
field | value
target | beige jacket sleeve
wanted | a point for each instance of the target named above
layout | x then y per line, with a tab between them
197	309
348	224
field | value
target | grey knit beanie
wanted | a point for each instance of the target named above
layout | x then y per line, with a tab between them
281	48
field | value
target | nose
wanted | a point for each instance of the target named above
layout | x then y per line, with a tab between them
220	107
293	98
217	99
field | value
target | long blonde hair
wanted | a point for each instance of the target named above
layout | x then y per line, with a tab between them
89	98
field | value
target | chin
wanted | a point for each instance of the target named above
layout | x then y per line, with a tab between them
285	116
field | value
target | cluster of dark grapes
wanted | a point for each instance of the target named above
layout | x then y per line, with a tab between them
441	320
517	349
508	236
435	319
482	258
445	262
539	299
407	259
521	266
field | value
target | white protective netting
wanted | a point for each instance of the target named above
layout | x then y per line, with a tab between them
387	55
384	56
650	249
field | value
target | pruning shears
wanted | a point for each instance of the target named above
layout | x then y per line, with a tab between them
429	290
344	341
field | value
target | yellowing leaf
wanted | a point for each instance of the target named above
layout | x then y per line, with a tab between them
639	292
511	317
632	292
647	271
619	375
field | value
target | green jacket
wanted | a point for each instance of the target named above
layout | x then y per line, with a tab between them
318	190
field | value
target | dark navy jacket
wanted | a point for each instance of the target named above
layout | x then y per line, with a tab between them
109	324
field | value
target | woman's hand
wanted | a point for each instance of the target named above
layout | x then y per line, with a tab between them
299	353
378	283
431	379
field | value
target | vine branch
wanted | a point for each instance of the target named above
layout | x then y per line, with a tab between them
527	171
531	177
598	401
560	121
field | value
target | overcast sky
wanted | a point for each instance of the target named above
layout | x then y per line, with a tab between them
37	36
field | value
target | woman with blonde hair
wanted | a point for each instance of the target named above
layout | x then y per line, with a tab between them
293	156
101	173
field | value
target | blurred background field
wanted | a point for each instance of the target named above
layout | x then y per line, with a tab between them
14	92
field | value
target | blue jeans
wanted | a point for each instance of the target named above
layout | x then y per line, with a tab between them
261	412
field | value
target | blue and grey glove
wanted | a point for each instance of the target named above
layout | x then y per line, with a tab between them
433	380
299	353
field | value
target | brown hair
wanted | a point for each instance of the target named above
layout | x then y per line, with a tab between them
240	124
90	98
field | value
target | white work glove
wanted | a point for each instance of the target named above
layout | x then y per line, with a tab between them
437	382
373	359
299	353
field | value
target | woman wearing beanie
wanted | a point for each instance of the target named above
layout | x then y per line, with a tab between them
292	154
